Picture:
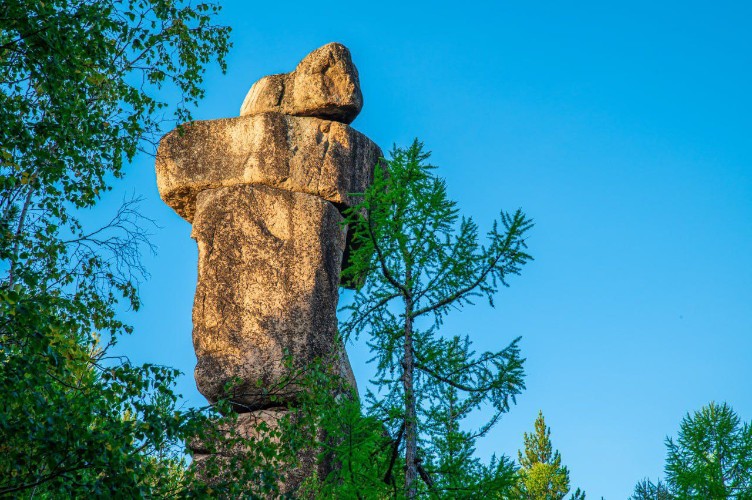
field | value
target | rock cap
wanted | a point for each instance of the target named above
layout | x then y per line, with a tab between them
325	85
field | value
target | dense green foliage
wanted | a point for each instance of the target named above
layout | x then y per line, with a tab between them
710	459
421	261
79	96
712	456
330	420
541	475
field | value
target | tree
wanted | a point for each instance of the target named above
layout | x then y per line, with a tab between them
421	261
710	459
647	490
712	456
80	86
541	476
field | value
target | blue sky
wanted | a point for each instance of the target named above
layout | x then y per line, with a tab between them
622	128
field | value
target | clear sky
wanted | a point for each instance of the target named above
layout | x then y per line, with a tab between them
622	128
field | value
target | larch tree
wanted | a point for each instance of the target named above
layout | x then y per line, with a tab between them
711	458
712	455
421	261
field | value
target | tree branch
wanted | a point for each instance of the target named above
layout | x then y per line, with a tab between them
395	454
382	261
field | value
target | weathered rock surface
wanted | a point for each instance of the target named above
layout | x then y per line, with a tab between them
325	84
305	155
269	264
264	193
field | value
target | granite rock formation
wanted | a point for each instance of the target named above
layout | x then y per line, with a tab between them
319	157
264	193
268	271
325	84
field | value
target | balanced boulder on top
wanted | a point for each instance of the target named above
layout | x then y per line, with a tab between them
324	84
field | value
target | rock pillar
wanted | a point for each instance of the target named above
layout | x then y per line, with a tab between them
264	192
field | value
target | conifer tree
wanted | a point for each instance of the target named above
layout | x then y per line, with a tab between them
542	477
421	260
710	459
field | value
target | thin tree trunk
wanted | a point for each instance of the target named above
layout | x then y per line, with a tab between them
19	230
411	445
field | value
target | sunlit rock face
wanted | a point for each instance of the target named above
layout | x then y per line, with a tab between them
268	271
323	158
264	193
324	84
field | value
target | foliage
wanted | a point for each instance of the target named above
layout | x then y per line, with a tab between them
355	455
421	261
541	475
79	96
647	490
449	453
710	459
352	449
712	456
